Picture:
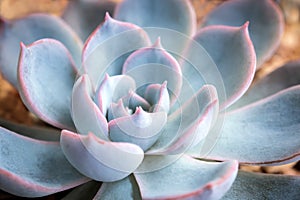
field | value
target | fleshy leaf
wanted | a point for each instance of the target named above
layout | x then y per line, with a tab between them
280	79
188	125
265	132
266	23
232	51
165	19
29	167
250	186
188	178
28	30
46	76
85	16
133	100
109	46
99	159
177	15
141	128
40	133
112	89
86	114
158	96
117	110
159	63
126	188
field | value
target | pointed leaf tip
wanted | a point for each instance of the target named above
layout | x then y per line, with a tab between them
36	86
157	44
266	26
107	16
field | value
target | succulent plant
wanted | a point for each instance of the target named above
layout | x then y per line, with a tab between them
154	109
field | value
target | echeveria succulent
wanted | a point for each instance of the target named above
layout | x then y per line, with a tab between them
154	110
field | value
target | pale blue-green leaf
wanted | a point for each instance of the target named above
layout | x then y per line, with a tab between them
112	89
189	124
35	132
85	16
27	30
117	110
141	128
159	63
108	47
160	17
34	168
281	78
177	15
126	188
232	51
188	178
85	191
249	186
133	100
264	133
85	113
158	97
266	23
98	159
46	76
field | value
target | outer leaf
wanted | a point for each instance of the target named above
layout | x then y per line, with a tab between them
282	78
40	133
29	168
46	77
28	30
250	186
159	63
234	55
85	16
108	47
178	15
189	124
263	133
86	114
171	20
188	178
126	188
141	128
266	23
99	159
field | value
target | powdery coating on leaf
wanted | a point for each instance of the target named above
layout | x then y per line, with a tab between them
192	122
188	178
120	38
46	74
141	128
99	159
85	16
85	113
111	89
280	79
222	43
159	63
27	30
266	23
250	186
177	15
29	170
263	132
